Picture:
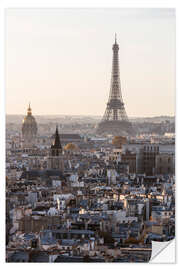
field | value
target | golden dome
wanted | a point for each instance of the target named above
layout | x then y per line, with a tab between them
29	122
71	147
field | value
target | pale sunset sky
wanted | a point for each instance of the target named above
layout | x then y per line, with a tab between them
61	59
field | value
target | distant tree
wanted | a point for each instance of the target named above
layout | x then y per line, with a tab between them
71	147
131	240
118	141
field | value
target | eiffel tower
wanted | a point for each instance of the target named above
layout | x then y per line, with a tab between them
115	120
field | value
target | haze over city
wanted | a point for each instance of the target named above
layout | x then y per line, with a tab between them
61	59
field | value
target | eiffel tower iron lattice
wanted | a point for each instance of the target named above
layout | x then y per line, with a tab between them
115	120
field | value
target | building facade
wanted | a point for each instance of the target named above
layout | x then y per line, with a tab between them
165	163
146	159
130	158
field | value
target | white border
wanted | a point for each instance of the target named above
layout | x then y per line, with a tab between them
75	4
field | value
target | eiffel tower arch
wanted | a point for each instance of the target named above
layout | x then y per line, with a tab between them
115	120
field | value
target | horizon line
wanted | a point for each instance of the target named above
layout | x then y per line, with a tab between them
163	115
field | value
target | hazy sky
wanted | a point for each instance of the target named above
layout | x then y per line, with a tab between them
60	60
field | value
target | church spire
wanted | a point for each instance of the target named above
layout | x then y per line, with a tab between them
56	143
55	160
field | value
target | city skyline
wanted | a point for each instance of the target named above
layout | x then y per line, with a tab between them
64	67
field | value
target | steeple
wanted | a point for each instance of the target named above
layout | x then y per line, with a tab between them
115	38
56	144
55	159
